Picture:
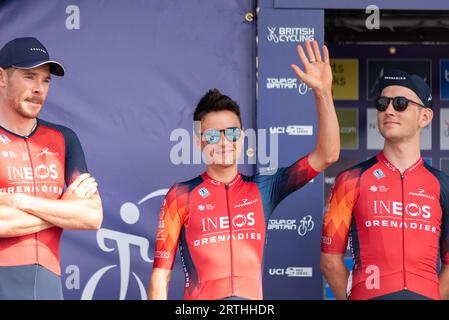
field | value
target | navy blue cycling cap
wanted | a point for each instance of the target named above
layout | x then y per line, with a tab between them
414	82
28	53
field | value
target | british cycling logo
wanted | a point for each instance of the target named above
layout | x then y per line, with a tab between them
272	36
290	34
130	214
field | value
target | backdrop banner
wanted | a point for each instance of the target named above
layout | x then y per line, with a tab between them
135	71
286	109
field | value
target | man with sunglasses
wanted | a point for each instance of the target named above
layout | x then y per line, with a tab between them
37	159
394	206
220	217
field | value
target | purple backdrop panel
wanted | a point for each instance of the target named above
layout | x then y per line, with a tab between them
135	71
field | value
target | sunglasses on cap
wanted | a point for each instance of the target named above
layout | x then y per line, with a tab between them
399	103
213	136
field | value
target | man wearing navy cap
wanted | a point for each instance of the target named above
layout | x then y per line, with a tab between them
37	160
394	208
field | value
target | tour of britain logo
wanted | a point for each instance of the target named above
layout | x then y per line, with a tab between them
288	84
302	226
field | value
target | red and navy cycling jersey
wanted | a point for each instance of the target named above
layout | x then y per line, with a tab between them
220	228
397	224
39	165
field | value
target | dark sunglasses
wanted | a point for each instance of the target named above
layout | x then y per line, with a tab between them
213	136
399	103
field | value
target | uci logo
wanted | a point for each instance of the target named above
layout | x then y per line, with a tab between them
204	192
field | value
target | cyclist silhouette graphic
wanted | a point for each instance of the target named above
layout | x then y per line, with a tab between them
306	224
129	213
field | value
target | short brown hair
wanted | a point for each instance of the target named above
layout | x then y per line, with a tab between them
213	101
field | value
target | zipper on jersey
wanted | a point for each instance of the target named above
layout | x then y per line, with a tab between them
403	230
36	236
230	239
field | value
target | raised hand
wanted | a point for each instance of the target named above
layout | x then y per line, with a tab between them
317	73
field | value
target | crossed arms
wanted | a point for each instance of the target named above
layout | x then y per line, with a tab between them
79	208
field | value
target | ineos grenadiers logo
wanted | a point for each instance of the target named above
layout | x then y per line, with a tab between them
216	229
28	173
213	224
396	208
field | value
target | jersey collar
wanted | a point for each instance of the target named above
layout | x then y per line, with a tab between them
20	136
207	178
382	159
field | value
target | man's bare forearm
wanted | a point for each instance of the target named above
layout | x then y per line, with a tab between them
317	74
443	277
15	223
336	274
338	281
158	288
327	148
67	214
